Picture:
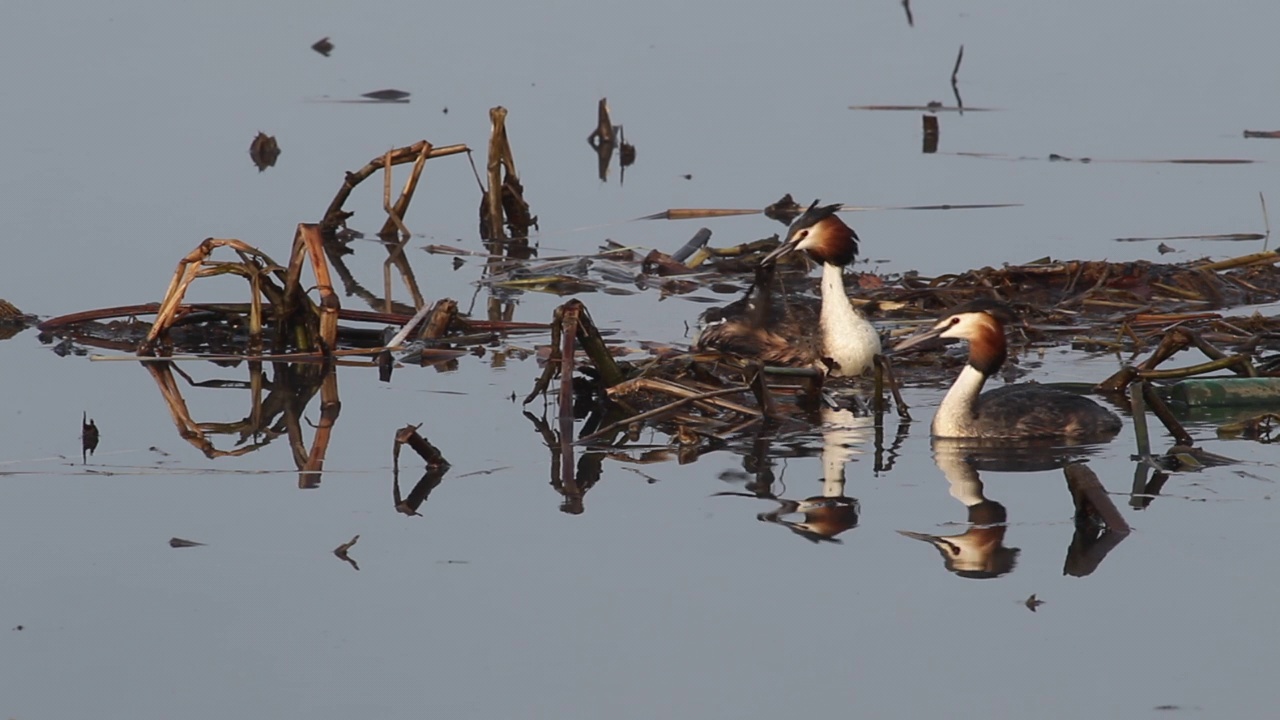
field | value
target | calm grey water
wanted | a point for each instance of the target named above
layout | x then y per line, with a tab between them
127	127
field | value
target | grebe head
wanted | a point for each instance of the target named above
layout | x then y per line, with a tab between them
819	232
981	322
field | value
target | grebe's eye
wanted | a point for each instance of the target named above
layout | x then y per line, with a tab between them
802	235
955	320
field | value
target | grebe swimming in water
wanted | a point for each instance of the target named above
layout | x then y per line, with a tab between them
1021	411
782	331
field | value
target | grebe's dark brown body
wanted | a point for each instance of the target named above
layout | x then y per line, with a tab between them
829	334
778	330
1022	411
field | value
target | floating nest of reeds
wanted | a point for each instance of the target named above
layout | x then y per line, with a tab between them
1121	308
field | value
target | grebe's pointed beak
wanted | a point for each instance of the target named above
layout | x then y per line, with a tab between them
918	339
787	247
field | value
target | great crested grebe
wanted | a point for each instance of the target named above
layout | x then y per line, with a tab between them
781	332
1021	411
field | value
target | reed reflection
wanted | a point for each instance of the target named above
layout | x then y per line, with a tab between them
572	480
276	405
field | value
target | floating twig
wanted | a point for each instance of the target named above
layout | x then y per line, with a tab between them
408	435
1221	237
335	216
955	87
933	107
341	551
699	213
1266	221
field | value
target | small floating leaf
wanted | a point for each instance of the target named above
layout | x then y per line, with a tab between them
387	95
341	551
88	437
264	150
323	46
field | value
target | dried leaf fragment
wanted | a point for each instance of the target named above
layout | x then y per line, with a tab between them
387	95
341	551
323	46
264	150
88	437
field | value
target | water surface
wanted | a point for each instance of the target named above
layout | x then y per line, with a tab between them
128	128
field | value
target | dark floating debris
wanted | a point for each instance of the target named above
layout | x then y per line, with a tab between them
955	86
626	154
1033	602
437	466
604	139
785	210
930	142
88	437
408	435
388	95
323	46
341	551
1269	134
264	150
177	542
603	134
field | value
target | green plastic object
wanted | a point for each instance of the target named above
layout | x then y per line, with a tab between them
1227	392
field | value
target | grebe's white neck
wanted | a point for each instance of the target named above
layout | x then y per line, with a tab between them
958	410
847	338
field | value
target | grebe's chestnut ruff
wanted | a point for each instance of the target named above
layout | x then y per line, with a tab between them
1023	410
785	331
